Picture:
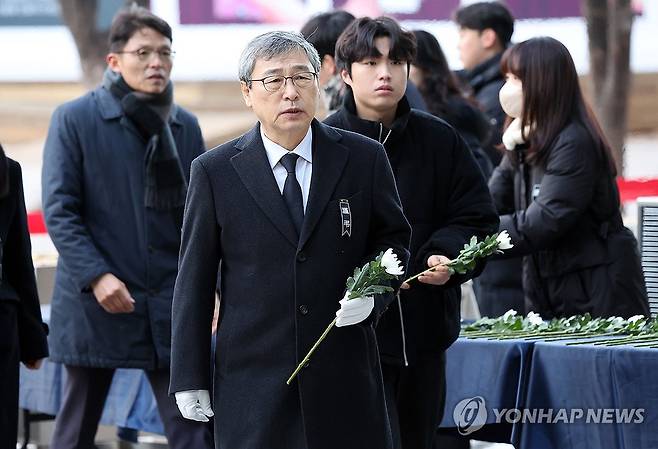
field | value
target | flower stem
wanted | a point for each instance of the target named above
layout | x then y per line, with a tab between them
310	353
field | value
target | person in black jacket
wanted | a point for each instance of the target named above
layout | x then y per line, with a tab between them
485	30
444	98
556	192
445	199
22	332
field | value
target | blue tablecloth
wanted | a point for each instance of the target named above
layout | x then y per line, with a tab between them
593	377
130	402
496	370
550	376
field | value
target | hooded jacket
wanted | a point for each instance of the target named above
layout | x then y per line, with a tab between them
446	200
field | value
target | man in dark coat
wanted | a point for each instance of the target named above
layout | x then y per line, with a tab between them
485	30
289	209
115	171
444	197
22	333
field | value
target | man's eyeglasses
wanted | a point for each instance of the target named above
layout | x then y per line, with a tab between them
144	54
274	83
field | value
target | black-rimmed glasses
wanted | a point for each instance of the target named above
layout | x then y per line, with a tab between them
274	83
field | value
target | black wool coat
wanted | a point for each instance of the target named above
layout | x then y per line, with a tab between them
17	281
445	198
279	292
563	216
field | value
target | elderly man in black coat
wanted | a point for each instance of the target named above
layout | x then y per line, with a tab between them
289	209
22	334
115	171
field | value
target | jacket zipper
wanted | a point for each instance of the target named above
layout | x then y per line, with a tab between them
404	340
381	131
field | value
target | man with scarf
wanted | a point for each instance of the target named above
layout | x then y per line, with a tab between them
445	199
115	172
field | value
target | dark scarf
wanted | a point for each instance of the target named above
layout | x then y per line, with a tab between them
165	186
4	174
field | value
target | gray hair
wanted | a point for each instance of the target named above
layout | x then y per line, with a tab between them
273	44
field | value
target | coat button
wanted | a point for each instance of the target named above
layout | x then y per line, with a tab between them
303	309
301	257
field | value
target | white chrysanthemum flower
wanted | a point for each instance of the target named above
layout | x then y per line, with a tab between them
504	241
509	314
635	318
534	319
391	263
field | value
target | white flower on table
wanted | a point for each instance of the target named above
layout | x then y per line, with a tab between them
504	241
534	318
391	263
511	313
635	318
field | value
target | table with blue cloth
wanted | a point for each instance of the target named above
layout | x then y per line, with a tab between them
549	376
130	402
622	378
494	370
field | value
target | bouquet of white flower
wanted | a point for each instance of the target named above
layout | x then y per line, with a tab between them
366	281
474	251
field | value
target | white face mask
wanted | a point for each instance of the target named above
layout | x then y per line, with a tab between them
511	98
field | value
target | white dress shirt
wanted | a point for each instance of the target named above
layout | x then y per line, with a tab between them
304	167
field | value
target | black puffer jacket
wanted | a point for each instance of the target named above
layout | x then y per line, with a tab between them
446	200
565	220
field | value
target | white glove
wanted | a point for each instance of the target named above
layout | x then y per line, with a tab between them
354	311
194	404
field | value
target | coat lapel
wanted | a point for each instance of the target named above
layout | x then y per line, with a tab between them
254	170
329	159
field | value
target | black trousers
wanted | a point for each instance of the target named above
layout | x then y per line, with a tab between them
9	364
84	398
415	398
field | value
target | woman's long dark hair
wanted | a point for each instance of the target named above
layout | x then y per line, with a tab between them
439	83
551	96
4	173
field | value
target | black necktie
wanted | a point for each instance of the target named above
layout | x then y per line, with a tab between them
292	192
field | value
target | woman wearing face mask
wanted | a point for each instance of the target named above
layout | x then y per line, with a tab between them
556	193
22	334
